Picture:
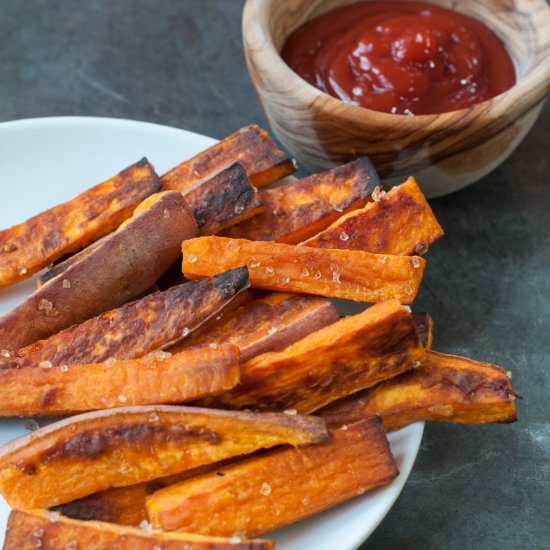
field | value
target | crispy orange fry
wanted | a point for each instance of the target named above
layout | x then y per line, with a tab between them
399	222
28	247
351	354
270	323
299	210
155	322
446	388
349	274
91	452
223	200
128	262
279	488
154	379
251	147
49	530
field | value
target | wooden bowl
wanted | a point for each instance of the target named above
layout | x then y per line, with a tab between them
445	152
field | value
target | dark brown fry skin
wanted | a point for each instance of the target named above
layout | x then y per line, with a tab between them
300	209
424	327
155	322
250	146
158	378
34	529
446	388
281	487
94	451
270	323
28	247
128	262
223	200
399	222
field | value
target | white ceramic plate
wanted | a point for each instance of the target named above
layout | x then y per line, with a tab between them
47	161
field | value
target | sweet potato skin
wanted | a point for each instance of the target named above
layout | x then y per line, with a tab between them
223	200
446	388
353	353
129	261
28	247
157	378
277	489
270	323
34	529
92	452
349	274
299	210
400	222
424	327
250	146
155	322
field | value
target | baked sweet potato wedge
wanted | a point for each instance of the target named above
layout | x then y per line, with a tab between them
112	448
353	275
155	322
277	489
270	323
250	146
354	353
34	529
446	388
28	247
155	379
129	261
223	200
299	210
398	222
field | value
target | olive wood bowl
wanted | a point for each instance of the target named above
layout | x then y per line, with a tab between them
445	152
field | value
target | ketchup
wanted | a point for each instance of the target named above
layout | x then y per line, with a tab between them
401	57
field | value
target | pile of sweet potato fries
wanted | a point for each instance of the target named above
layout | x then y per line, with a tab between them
197	288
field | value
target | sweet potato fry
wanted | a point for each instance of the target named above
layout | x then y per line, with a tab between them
445	388
277	489
351	354
155	322
49	530
399	222
251	147
112	448
154	379
424	327
270	323
223	200
129	261
353	275
28	247
299	210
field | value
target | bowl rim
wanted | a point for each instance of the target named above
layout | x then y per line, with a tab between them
534	85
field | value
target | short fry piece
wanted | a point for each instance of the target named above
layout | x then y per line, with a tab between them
126	263
223	200
154	379
349	274
399	222
49	530
155	322
271	323
446	388
251	147
299	210
351	354
279	488
94	451
28	247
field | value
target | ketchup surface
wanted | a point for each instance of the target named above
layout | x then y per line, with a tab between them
401	57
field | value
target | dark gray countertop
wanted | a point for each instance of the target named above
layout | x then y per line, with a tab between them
487	283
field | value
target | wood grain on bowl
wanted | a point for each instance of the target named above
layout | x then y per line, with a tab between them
445	152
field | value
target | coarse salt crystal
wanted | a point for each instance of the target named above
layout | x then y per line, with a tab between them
145	525
213	345
185	332
166	213
415	262
32	425
153	417
338	208
269	270
421	248
344	427
191	259
265	489
408	289
71	545
23	271
344	236
239	208
38	543
5	353
285	280
509	374
305	272
53	516
416	364
122	398
45	304
109	362
234	540
382	259
336	278
291	412
45	364
317	275
66	283
272	330
230	244
38	533
253	262
64	368
376	194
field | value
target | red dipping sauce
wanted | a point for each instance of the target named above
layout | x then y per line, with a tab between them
401	57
